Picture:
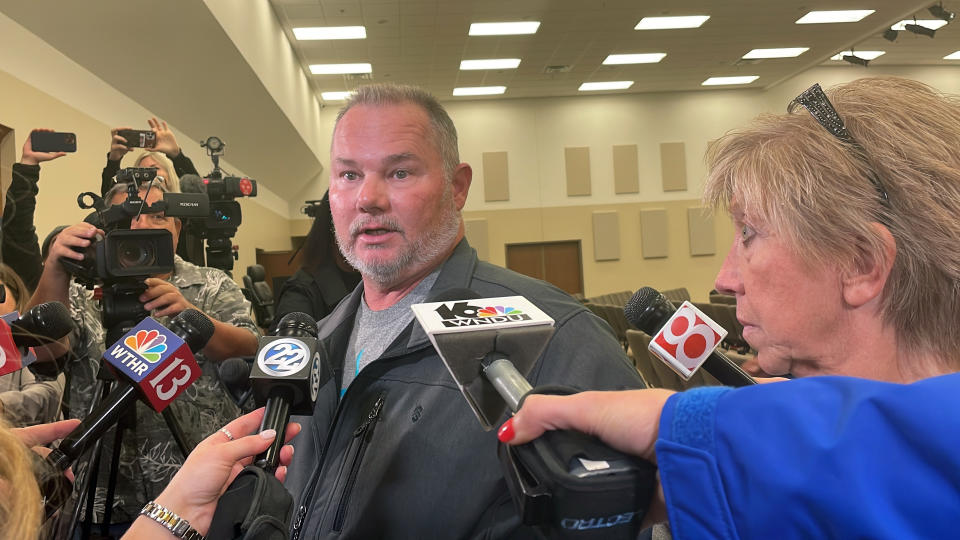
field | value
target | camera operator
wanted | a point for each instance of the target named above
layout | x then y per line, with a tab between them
21	246
149	456
165	156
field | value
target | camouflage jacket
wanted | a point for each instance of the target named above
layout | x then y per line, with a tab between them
149	456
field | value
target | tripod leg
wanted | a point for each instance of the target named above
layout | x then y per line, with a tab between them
177	431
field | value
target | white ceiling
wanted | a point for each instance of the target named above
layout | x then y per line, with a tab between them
423	41
175	58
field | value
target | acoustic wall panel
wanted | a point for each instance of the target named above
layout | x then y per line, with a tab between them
478	236
606	236
496	181
673	166
700	225
654	241
626	170
578	170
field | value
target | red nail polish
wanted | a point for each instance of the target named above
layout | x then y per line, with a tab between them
506	433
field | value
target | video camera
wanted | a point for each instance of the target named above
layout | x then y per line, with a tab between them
312	208
224	216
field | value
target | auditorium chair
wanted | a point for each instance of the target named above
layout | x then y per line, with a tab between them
260	295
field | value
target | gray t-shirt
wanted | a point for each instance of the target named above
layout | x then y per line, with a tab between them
374	331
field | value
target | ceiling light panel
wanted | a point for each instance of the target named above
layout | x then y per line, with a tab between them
330	32
338	69
504	28
479	90
866	55
932	24
952	56
607	85
667	23
842	16
491	63
719	81
788	52
642	58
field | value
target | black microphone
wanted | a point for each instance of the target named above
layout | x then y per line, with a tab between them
650	311
235	375
151	361
286	378
42	325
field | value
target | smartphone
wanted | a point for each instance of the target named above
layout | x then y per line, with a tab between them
52	141
138	138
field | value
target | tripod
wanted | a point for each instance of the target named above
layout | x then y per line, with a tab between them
121	312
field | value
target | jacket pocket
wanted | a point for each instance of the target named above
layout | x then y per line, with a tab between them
358	446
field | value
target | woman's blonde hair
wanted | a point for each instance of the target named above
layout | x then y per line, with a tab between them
16	287
171	180
814	191
20	504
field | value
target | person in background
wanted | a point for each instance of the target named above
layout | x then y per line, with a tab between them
846	261
25	398
165	156
324	276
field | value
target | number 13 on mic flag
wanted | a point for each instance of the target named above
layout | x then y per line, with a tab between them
687	340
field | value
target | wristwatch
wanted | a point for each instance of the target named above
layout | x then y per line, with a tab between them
178	526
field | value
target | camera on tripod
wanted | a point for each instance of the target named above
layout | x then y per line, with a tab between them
312	208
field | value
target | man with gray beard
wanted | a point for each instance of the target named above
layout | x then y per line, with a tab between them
393	449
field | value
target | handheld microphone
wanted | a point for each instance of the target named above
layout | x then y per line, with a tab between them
152	362
286	378
41	325
683	338
568	484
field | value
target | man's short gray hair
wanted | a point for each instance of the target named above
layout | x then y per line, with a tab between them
444	132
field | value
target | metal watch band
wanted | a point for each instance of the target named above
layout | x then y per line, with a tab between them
178	526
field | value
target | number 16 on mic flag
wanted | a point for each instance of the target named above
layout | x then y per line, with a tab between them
687	340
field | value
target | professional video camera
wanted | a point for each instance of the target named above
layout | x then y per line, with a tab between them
122	259
224	217
312	208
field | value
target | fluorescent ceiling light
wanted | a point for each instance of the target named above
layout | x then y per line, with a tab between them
952	56
788	52
336	69
666	23
843	16
335	96
866	55
504	28
492	63
608	85
717	81
932	24
643	58
330	32
479	90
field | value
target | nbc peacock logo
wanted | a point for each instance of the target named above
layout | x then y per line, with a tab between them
493	311
149	344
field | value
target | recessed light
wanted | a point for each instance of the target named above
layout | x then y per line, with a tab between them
491	63
504	28
952	56
479	90
666	23
932	24
336	69
607	85
330	32
866	55
642	58
841	16
718	81
335	96
788	52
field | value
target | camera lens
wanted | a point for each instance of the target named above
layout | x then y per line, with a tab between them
131	253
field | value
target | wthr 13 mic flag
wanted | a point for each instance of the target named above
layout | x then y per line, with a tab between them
155	360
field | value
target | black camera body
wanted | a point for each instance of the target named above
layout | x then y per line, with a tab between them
123	254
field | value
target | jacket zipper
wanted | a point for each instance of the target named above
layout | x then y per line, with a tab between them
362	437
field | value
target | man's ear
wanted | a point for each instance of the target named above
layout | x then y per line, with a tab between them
865	279
462	177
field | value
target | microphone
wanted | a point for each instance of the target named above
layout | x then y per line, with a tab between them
286	378
40	325
152	362
683	338
235	375
191	183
